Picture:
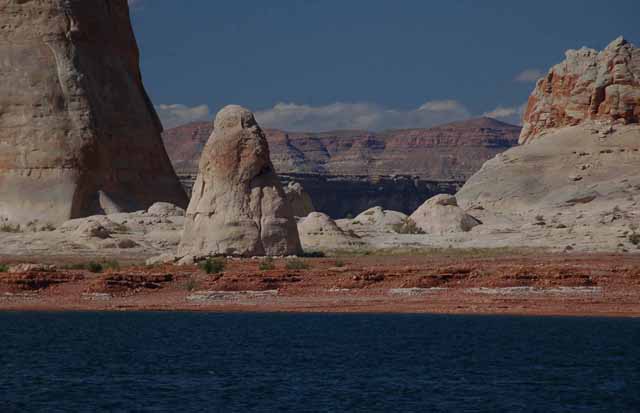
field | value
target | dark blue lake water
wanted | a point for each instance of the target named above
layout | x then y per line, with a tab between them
94	362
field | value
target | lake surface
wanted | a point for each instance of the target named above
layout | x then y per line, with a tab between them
94	362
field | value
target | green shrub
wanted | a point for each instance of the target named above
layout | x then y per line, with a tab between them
297	264
313	254
95	267
267	264
191	284
111	265
212	265
6	227
407	227
339	263
4	268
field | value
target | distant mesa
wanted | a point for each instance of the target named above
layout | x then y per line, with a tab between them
587	85
238	206
78	134
346	172
452	151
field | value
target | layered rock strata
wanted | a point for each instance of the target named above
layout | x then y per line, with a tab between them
78	133
238	206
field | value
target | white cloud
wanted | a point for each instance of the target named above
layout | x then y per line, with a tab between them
368	116
177	114
509	114
529	76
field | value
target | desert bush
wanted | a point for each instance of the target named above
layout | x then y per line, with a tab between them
267	264
191	284
313	254
4	268
407	227
6	227
297	264
48	227
111	265
339	263
634	238
212	265
95	267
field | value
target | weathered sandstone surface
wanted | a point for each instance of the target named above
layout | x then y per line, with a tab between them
441	215
588	85
238	206
300	201
318	232
576	178
78	134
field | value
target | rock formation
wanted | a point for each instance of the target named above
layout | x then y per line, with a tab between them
238	205
441	215
579	169
78	134
588	85
299	199
318	232
453	151
378	219
347	172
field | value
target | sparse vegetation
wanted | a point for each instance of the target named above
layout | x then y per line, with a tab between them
4	268
634	237
539	218
313	254
213	265
191	284
339	263
95	267
267	264
442	252
120	228
407	227
6	227
111	265
49	227
297	264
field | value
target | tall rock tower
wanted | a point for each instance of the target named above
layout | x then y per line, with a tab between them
78	133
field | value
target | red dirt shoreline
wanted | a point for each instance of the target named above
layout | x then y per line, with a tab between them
602	285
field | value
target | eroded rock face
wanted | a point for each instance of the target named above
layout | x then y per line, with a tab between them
588	85
78	134
441	215
318	232
299	199
238	205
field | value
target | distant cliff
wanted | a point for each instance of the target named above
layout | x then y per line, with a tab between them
346	172
343	195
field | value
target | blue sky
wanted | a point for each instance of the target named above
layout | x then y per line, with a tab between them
368	64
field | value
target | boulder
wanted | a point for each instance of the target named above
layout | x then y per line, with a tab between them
441	215
299	199
318	232
78	133
165	209
378	219
588	85
238	206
